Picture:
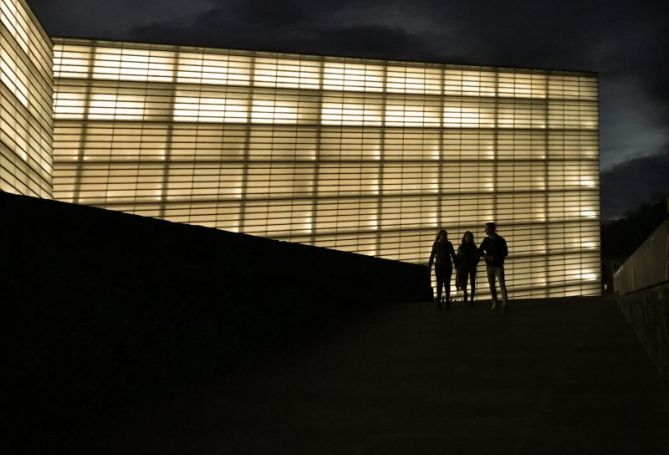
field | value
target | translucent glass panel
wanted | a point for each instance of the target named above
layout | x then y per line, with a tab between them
470	82
468	144
25	102
369	157
521	85
213	69
17	19
288	108
402	79
130	64
353	76
573	87
466	113
402	144
353	110
352	215
580	115
338	144
287	73
13	72
413	112
521	114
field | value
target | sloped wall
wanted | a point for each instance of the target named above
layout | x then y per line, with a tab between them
102	307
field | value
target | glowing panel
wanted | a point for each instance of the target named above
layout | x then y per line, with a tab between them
116	107
353	76
129	64
352	110
286	73
71	61
209	109
400	79
365	156
211	68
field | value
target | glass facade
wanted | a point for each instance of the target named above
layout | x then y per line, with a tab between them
358	155
26	88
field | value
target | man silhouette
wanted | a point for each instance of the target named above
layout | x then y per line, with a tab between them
494	250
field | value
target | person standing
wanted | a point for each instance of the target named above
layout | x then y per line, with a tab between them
467	260
494	250
442	256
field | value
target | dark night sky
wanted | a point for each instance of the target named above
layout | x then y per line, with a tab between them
626	42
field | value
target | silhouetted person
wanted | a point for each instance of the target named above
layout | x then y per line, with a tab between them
494	250
467	259
441	255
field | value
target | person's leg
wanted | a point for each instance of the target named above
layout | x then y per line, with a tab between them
502	285
439	277
472	280
490	271
462	278
447	285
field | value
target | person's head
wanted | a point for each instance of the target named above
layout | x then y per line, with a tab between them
442	235
490	228
468	237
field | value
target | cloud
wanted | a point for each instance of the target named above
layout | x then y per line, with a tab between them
247	25
627	46
633	183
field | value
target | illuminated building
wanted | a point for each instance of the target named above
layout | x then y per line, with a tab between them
25	102
359	155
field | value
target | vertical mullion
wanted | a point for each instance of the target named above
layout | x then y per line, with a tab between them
247	145
76	197
317	154
382	158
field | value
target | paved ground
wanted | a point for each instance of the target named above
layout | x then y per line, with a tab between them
562	376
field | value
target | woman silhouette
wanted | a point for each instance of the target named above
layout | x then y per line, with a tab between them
467	259
441	255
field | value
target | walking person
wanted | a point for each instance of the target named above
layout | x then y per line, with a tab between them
442	256
494	250
467	259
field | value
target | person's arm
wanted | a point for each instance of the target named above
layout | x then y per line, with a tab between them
484	250
452	253
476	254
505	249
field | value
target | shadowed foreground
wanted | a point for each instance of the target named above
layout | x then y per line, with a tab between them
557	376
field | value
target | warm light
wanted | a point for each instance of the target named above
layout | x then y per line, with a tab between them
288	73
412	115
589	182
363	156
214	69
350	113
68	105
264	111
352	76
13	77
133	65
14	17
71	61
413	80
111	107
216	110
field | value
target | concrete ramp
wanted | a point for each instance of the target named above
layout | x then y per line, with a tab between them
560	376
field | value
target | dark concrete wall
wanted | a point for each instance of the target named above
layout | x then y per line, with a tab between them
641	288
648	313
101	308
647	266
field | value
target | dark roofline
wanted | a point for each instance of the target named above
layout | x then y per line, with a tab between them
180	46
